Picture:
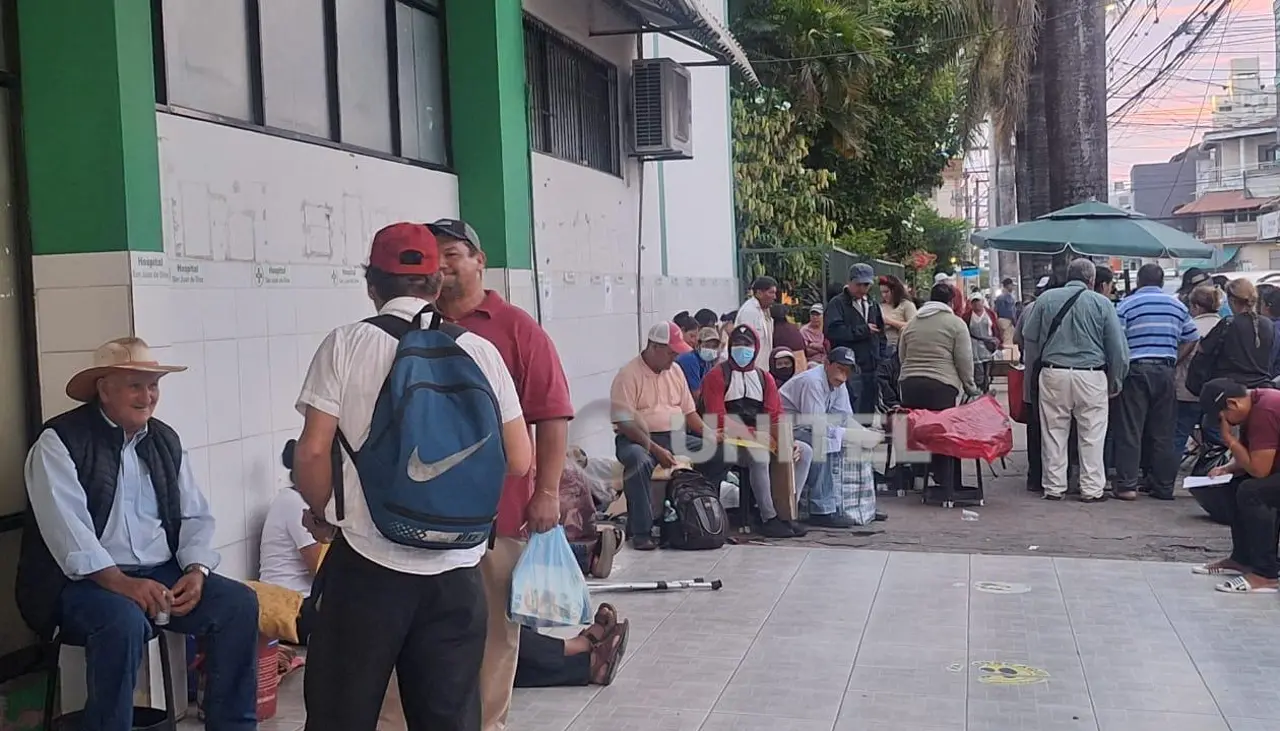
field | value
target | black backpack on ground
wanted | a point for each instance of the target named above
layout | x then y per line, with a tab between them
700	522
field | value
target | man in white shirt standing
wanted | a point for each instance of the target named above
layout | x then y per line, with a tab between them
755	313
387	605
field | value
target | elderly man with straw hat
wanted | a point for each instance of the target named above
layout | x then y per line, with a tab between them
117	544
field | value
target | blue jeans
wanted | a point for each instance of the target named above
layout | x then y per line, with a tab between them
819	489
1189	416
114	633
637	473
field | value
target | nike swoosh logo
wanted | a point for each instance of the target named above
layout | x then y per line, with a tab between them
420	471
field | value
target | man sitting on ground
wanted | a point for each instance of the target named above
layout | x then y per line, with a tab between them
735	397
656	421
591	658
1253	565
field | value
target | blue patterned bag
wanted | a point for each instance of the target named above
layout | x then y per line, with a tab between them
548	588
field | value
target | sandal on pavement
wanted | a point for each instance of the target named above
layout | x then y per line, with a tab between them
606	656
1241	585
610	539
1206	569
603	624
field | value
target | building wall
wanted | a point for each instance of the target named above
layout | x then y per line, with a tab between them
1159	188
612	260
260	238
1258	257
263	242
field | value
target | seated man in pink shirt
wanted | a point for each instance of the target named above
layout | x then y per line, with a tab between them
656	422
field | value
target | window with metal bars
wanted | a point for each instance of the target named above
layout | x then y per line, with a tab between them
573	100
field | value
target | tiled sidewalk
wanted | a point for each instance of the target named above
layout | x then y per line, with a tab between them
816	640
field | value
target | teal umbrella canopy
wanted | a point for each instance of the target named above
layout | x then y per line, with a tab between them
1094	229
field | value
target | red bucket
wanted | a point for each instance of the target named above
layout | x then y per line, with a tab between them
268	678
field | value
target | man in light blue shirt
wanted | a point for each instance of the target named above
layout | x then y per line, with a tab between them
818	402
1159	330
118	543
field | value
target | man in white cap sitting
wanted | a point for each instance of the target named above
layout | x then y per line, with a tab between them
651	405
117	543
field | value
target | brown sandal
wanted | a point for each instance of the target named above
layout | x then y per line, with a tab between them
606	656
605	621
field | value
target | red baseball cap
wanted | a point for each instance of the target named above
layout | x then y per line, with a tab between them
405	248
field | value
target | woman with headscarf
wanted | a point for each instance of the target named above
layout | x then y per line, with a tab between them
783	365
734	395
1238	347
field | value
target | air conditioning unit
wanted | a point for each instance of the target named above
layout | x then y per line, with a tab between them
661	110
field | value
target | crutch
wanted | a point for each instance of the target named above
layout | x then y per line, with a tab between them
713	585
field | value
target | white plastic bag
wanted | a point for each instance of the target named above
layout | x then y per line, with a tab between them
548	588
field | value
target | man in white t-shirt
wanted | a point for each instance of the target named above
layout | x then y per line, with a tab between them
289	556
387	606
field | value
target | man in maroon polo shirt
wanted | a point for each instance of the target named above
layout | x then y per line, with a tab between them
530	503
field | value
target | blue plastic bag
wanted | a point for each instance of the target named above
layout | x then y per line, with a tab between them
548	588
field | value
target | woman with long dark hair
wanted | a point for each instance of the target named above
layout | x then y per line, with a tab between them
897	308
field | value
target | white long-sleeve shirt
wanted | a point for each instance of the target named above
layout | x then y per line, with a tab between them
758	319
134	536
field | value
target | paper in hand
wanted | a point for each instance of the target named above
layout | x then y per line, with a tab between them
1194	482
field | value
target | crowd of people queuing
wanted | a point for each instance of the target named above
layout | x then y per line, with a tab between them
411	624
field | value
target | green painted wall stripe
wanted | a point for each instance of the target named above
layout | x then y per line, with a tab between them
89	126
490	126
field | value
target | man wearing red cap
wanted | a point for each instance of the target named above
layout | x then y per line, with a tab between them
529	502
387	605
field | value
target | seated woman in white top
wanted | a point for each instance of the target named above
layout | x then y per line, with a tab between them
290	555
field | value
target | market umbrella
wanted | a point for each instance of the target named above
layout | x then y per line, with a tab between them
1094	229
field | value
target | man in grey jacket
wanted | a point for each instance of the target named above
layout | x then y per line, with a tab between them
1081	367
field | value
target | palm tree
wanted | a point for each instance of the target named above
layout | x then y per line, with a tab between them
820	52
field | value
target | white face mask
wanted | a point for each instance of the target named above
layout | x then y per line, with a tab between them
708	355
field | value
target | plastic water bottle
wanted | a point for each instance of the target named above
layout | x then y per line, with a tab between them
668	512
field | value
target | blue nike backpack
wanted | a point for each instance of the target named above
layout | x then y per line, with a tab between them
433	466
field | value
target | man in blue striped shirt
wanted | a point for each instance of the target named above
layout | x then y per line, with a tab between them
1158	329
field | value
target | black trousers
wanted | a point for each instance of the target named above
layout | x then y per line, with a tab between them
926	393
1145	416
371	620
1255	530
543	664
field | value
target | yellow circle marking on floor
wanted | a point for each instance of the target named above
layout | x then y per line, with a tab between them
1007	673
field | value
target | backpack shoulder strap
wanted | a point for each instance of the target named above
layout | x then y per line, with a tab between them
396	327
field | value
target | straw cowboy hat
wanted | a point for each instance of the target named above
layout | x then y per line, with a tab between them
122	354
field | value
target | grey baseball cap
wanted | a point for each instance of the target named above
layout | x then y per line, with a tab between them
862	274
455	228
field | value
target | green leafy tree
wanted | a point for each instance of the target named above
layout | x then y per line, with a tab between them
822	53
779	201
916	101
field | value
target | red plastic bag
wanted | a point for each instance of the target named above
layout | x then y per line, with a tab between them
979	429
1017	408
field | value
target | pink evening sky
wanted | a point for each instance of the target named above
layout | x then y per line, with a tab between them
1174	113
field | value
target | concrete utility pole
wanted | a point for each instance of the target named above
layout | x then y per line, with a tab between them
1073	46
